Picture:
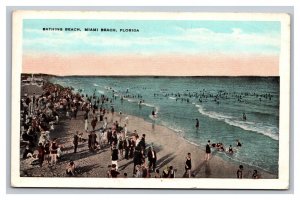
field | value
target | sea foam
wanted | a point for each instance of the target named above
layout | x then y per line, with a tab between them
268	131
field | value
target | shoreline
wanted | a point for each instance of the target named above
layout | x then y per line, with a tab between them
202	148
170	146
199	150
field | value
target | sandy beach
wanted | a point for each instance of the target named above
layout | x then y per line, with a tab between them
171	151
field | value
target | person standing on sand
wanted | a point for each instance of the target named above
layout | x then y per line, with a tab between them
94	123
152	158
109	136
137	158
120	146
53	152
47	152
86	116
112	110
125	130
101	116
41	154
114	156
75	141
105	123
127	147
188	165
89	140
171	172
131	147
239	172
93	141
255	174
207	151
137	140
142	143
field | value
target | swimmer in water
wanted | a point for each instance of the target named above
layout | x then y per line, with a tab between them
238	144
153	113
230	150
197	123
244	117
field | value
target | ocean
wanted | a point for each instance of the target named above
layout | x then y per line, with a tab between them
217	102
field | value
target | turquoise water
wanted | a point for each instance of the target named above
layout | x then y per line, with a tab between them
218	103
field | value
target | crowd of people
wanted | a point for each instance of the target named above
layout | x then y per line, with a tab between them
39	116
41	113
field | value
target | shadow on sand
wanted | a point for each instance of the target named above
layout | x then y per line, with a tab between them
85	169
165	160
206	165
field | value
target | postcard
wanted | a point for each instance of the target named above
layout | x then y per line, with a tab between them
150	100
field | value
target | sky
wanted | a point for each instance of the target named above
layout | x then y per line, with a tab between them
169	46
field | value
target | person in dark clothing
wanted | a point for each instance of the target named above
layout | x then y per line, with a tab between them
28	138
171	172
41	154
112	110
166	173
75	112
197	123
144	172
53	151
114	138
93	137
89	140
47	152
142	143
70	169
26	152
188	165
101	117
94	123
230	149
113	173
255	174
75	142
117	126
244	117
239	172
86	115
137	159
131	148
114	156
238	143
109	136
127	148
152	158
207	151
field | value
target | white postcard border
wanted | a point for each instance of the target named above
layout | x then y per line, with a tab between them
206	183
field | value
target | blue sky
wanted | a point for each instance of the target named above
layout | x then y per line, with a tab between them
154	37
